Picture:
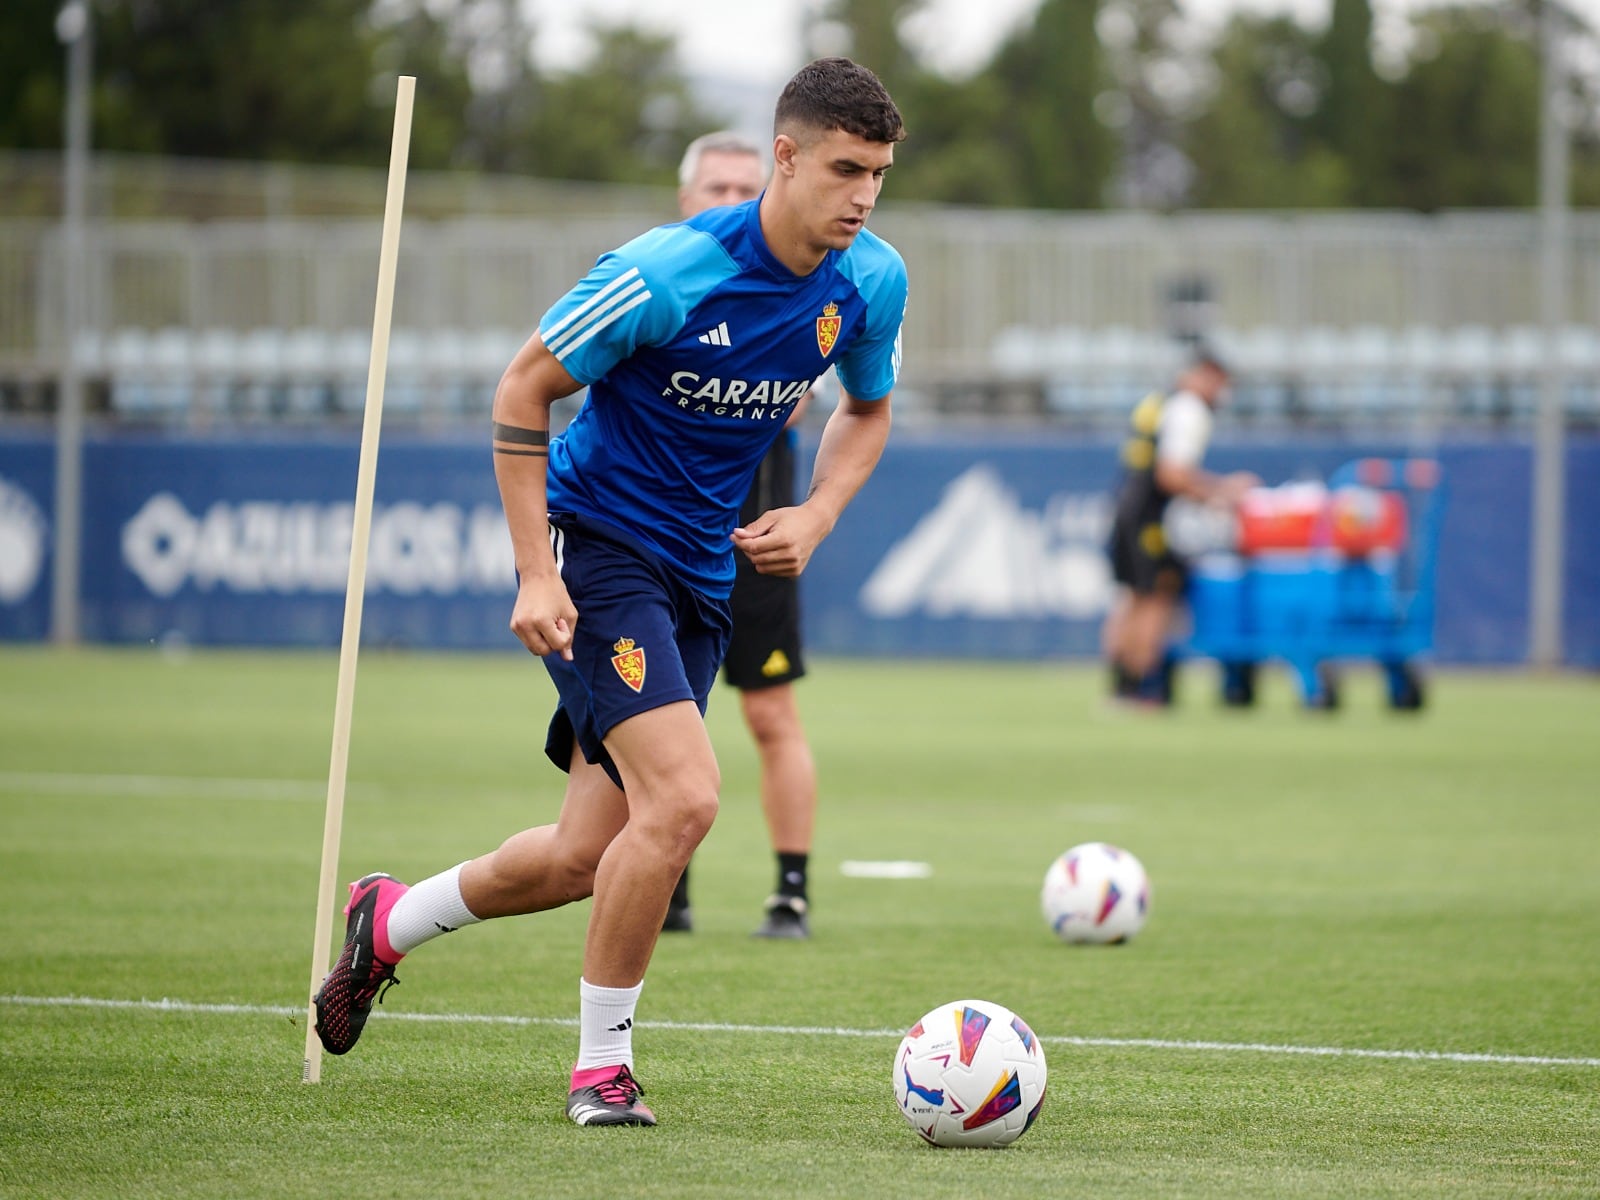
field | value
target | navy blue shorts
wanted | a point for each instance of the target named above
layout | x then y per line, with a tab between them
643	639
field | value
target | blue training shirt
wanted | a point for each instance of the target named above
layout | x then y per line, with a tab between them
696	343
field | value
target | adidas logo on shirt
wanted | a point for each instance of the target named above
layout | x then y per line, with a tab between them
717	336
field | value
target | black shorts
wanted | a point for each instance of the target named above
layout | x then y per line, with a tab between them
765	649
1141	560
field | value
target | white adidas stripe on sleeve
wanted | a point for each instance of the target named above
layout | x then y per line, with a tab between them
622	280
570	344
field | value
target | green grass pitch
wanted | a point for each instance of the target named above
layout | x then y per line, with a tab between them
1372	967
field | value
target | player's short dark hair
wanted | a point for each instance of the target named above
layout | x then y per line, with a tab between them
835	93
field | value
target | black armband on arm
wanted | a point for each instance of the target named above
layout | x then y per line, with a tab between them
520	436
537	439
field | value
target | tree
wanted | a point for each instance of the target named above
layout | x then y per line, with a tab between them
954	154
1304	121
623	118
313	81
1468	116
1022	131
1050	74
1153	85
479	54
1350	120
408	39
252	79
875	41
256	79
1251	146
32	75
1093	102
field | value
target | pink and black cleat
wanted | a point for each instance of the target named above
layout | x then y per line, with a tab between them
365	969
607	1096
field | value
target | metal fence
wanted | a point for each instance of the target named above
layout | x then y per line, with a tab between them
1330	318
135	187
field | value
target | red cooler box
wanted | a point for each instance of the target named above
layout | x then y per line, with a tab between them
1354	520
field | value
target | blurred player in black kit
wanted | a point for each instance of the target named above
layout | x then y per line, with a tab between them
1160	460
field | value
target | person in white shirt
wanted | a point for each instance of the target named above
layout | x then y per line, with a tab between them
1161	459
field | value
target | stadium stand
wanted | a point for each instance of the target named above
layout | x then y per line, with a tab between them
1319	377
1329	320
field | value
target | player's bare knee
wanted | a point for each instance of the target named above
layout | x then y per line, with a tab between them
694	817
771	717
771	729
680	823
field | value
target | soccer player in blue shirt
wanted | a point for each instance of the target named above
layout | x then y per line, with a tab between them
695	341
764	656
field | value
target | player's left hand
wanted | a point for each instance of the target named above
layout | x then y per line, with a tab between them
780	541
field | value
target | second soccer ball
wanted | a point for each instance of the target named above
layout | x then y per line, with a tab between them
1096	892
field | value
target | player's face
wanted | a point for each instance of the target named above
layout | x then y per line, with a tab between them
835	181
722	178
1215	387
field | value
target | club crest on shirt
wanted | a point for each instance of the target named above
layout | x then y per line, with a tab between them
629	662
828	328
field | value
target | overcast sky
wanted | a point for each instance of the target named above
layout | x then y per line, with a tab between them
758	40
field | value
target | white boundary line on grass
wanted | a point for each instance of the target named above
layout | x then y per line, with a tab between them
184	1006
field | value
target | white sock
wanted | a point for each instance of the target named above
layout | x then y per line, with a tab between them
430	908
605	1025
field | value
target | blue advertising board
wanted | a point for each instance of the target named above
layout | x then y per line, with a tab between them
27	504
993	546
960	545
246	542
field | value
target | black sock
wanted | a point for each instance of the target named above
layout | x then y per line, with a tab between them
1169	672
680	894
1124	684
1156	687
792	875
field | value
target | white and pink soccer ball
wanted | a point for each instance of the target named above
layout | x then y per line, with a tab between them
1096	892
970	1073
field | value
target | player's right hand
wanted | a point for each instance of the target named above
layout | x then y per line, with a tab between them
780	541
1235	484
543	617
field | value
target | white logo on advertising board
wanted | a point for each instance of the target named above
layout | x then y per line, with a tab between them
22	543
980	553
258	546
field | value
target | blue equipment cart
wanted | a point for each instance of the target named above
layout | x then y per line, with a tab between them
1333	598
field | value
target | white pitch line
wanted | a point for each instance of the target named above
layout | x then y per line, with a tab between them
185	1006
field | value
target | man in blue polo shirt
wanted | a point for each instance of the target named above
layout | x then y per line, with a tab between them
695	340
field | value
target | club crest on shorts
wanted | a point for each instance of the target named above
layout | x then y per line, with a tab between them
828	328
629	662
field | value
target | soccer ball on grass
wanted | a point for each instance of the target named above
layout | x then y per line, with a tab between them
1096	892
970	1073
